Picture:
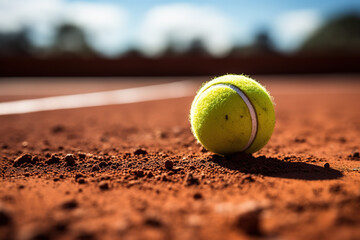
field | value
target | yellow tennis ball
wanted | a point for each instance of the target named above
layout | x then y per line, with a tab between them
232	113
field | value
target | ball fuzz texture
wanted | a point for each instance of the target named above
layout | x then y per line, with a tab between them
232	113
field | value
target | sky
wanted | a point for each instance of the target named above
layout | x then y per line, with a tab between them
112	27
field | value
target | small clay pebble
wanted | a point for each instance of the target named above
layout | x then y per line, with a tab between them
69	205
191	180
248	220
102	164
5	217
104	139
60	227
140	151
53	159
95	168
103	185
25	158
58	129
139	173
153	222
326	165
202	149
35	159
81	181
69	160
164	178
150	175
343	140
355	155
169	164
300	140
336	188
78	175
24	144
198	196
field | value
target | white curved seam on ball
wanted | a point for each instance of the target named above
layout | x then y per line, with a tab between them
254	123
250	107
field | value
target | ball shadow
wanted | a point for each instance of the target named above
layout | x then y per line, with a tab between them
274	167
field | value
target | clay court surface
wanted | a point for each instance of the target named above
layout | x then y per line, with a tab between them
120	183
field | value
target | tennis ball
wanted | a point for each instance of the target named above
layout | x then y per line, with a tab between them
232	113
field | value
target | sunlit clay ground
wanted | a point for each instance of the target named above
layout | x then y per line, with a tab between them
136	172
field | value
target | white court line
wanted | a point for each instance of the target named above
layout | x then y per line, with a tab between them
122	96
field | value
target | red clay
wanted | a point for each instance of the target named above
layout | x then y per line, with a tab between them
136	172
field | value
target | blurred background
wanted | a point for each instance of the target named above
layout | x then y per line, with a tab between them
171	38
